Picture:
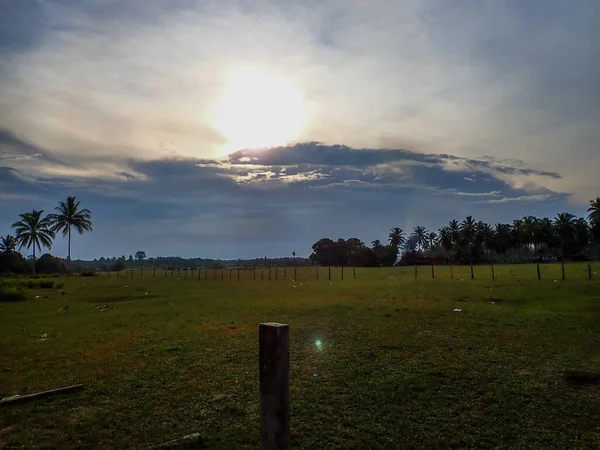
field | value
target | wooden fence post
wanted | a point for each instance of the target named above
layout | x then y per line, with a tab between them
284	273
354	272
141	272
254	273
230	270
589	270
295	273
451	272
432	271
172	272
199	273
262	274
329	273
269	274
317	273
238	271
274	376
342	273
562	265
493	274
416	273
472	274
222	274
538	271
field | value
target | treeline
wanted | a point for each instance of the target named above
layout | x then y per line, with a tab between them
470	242
174	262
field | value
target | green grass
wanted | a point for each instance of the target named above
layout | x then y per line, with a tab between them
397	368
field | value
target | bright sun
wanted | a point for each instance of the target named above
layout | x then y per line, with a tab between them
257	109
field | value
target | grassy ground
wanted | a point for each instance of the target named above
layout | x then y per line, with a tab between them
398	367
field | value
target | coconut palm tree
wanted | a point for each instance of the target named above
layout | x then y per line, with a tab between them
529	229
397	238
564	224
35	231
594	210
8	244
420	236
70	216
431	239
468	229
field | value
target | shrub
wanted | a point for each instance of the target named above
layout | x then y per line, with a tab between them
12	293
50	264
88	273
35	284
13	263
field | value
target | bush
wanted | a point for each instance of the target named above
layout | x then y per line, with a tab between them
14	263
13	293
50	264
88	273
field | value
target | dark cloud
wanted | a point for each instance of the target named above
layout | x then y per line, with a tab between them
280	200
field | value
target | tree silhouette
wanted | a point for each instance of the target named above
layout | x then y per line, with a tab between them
397	237
70	216
8	244
35	231
594	210
140	255
420	236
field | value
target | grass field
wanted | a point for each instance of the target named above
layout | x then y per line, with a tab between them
398	366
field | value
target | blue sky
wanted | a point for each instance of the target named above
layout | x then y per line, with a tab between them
379	114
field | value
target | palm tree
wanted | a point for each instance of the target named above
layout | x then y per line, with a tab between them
397	238
594	211
35	231
376	244
468	228
529	230
432	239
420	236
69	215
8	244
564	224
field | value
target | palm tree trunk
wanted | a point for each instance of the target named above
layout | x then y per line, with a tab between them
562	260
471	262
34	257
69	253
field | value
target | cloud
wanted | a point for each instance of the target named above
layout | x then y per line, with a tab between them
415	112
523	198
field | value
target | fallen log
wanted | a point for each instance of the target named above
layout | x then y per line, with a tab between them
24	398
191	441
582	376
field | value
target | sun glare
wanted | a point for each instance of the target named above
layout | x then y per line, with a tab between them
257	109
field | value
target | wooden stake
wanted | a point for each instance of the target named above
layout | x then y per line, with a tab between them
354	272
274	376
493	274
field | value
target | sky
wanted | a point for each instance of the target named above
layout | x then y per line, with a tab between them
253	128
